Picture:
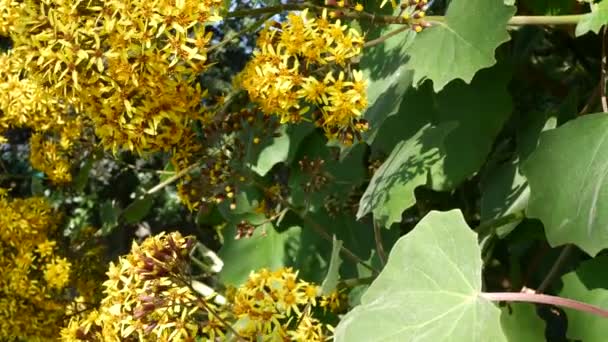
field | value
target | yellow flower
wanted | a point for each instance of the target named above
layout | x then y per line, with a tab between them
57	272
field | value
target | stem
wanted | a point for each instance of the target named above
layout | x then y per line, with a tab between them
563	256
522	20
603	72
352	282
171	179
379	246
572	19
244	31
491	225
544	299
209	309
345	251
382	39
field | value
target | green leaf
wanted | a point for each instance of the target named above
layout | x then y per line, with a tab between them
333	272
385	68
463	44
550	7
280	148
521	323
459	154
266	248
391	189
587	284
567	177
36	187
428	291
138	209
108	215
594	20
466	146
504	191
83	175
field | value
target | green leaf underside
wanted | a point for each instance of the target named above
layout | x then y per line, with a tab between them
428	291
572	199
333	272
594	20
587	284
462	45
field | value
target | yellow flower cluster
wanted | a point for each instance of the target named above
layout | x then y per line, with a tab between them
276	306
34	276
147	298
24	103
301	69
126	70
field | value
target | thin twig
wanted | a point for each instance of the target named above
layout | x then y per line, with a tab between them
317	228
382	39
591	101
603	73
209	309
242	32
553	272
171	179
379	245
544	299
345	251
488	227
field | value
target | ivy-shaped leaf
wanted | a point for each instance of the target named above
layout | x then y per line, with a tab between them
568	179
593	21
461	45
428	291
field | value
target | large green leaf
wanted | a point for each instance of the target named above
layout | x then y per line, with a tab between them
428	291
462	44
521	323
391	189
477	110
594	20
567	177
587	284
266	248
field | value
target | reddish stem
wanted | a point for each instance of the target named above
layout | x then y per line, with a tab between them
544	299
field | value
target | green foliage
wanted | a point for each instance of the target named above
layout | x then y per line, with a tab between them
570	202
595	20
521	323
409	165
587	284
481	161
428	291
472	31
